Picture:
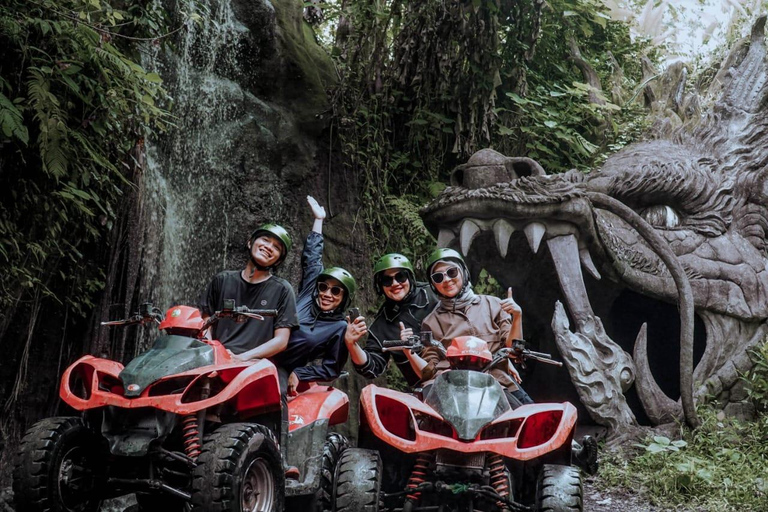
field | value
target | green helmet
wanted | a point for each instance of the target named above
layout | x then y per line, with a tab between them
388	261
278	232
346	280
446	255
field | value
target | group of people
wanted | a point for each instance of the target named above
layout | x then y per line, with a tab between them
311	338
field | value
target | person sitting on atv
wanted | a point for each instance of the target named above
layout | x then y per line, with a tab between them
461	312
255	287
406	303
324	294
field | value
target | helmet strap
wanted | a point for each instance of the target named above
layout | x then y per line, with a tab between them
257	266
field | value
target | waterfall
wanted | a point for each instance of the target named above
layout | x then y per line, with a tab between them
187	185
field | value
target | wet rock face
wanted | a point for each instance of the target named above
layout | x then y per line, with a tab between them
242	148
699	184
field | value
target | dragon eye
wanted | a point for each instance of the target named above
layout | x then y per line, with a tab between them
661	216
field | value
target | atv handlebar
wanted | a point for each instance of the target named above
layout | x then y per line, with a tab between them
520	353
238	313
147	313
416	342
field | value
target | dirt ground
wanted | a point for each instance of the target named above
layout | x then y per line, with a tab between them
615	500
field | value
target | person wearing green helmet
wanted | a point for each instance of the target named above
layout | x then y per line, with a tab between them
461	312
324	295
255	287
406	303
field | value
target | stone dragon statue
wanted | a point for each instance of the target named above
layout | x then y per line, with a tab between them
670	231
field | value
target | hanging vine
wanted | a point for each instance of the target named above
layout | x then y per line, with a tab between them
418	93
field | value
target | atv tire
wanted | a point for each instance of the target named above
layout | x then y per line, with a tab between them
239	470
559	489
334	447
357	481
57	468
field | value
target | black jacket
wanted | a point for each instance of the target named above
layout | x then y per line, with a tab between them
386	326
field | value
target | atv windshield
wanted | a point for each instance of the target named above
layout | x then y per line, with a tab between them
169	355
468	400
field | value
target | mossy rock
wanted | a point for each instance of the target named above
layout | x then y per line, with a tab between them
310	69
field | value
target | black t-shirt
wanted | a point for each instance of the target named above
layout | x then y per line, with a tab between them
274	293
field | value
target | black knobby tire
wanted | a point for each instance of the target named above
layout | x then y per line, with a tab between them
334	447
239	466
58	467
357	481
559	489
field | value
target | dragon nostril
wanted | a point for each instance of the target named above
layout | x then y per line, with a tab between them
457	177
488	167
522	167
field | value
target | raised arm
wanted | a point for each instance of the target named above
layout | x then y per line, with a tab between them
319	213
312	255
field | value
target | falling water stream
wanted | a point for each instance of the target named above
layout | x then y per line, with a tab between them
185	183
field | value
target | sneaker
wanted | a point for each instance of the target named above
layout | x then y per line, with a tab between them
585	454
292	473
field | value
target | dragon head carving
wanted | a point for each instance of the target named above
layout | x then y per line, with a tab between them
700	183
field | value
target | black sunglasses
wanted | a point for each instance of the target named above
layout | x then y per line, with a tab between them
322	286
386	280
439	277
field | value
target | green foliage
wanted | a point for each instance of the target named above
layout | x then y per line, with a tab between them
756	380
663	444
425	84
487	285
719	467
74	104
558	119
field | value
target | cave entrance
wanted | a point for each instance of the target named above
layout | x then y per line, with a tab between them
627	314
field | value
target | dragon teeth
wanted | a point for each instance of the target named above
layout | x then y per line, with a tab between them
534	232
467	233
588	264
502	231
445	237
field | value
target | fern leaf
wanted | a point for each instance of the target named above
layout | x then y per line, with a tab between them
12	120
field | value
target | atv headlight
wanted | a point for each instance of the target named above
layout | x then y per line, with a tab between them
395	417
502	430
539	428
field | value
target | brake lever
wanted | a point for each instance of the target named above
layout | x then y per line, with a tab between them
251	315
136	319
399	348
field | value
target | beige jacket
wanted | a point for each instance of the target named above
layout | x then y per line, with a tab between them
483	318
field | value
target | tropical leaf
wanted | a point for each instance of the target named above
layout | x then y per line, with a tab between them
12	120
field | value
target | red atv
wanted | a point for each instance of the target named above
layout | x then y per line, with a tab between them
184	426
462	448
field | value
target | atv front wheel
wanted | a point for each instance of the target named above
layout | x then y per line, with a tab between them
559	489
334	447
57	468
357	481
239	470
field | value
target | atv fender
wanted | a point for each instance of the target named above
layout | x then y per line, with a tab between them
249	387
318	403
526	432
